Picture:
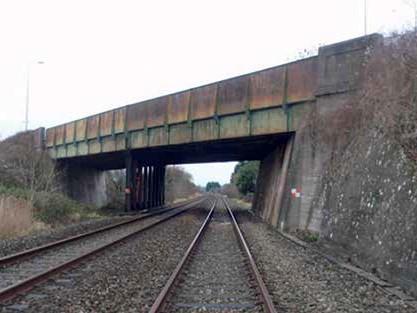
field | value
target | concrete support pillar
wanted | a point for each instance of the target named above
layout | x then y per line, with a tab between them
134	183
150	174
138	186
145	187
142	188
276	214
159	187
84	184
153	202
163	185
129	182
156	186
271	183
149	185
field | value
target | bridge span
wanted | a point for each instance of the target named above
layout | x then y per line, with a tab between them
257	116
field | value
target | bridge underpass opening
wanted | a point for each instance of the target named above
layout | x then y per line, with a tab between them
187	180
145	168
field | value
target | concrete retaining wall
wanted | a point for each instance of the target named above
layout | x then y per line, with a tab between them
364	204
340	75
370	210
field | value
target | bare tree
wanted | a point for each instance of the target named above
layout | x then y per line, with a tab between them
178	184
230	190
24	166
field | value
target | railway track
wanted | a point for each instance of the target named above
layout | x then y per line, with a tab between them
22	271
217	272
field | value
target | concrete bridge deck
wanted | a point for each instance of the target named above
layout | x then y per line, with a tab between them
270	101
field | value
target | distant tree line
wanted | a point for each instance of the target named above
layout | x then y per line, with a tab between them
242	181
213	186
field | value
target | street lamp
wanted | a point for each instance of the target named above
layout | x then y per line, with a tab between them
28	92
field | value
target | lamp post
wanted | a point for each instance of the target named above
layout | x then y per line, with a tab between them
28	92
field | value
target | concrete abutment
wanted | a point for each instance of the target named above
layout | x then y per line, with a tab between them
287	189
86	185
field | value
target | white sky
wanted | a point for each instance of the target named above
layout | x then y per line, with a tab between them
103	54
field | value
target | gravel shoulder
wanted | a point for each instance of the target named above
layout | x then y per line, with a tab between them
301	280
125	279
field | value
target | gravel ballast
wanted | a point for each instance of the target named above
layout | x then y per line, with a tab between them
10	246
129	277
216	278
125	279
300	280
41	262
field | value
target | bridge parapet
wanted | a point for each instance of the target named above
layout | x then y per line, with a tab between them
341	64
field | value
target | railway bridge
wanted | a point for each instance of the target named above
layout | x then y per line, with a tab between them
257	116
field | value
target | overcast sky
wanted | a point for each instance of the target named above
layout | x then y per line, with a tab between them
103	54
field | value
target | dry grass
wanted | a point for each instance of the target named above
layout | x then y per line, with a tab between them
16	217
179	200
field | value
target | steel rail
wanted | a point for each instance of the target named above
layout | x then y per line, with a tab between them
266	298
13	291
20	256
163	295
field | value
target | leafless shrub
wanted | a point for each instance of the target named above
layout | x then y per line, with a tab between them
390	90
178	184
230	190
387	101
23	165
